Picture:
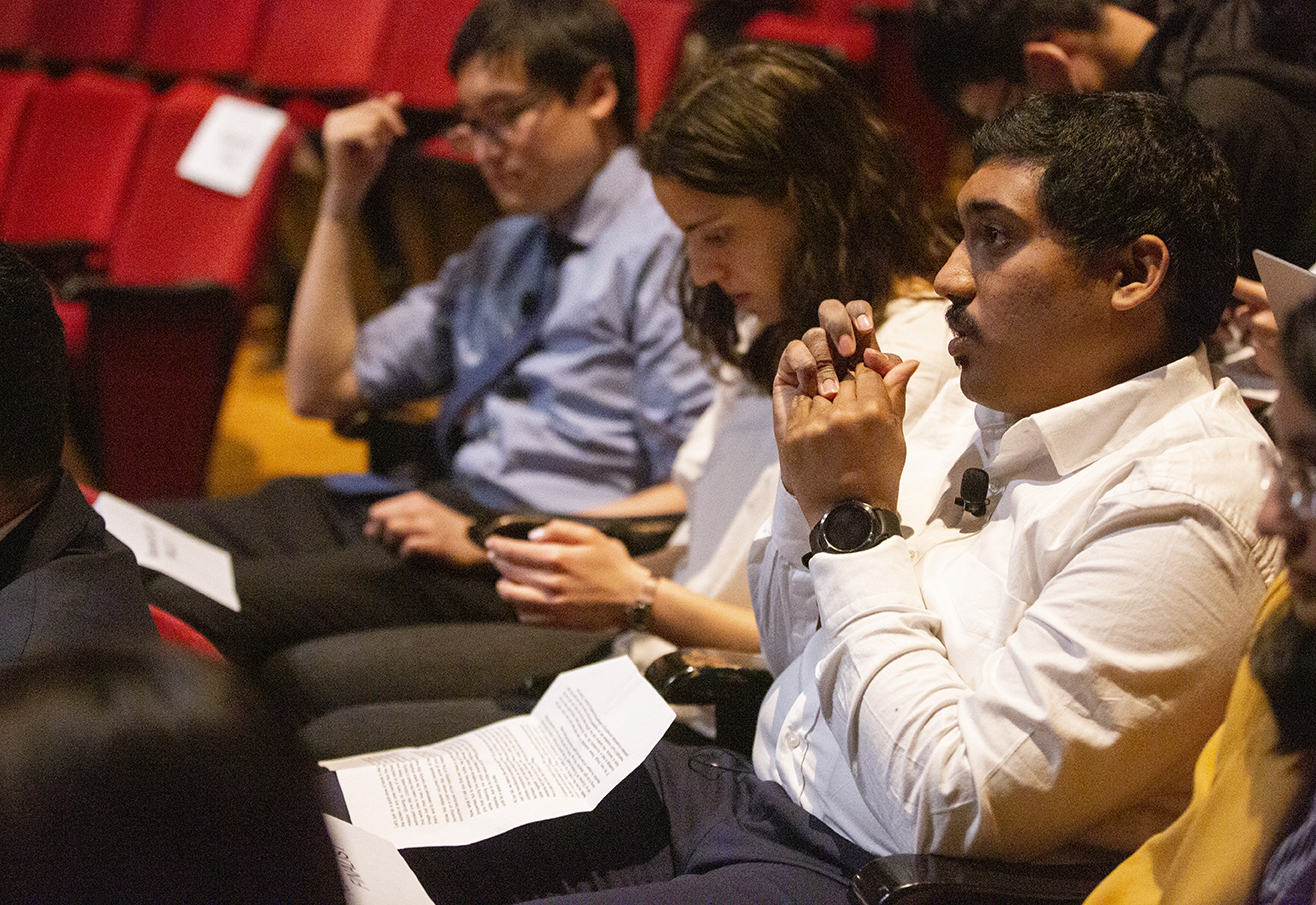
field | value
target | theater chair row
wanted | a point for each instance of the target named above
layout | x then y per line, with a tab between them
305	53
156	272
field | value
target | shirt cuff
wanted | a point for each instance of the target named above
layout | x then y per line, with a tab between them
790	530
851	585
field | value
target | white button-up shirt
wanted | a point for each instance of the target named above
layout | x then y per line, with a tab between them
1039	677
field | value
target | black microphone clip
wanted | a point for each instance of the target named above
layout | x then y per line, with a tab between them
973	491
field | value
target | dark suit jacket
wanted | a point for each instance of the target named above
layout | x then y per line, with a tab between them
65	581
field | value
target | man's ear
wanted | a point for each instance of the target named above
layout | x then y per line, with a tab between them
1047	68
598	93
1143	264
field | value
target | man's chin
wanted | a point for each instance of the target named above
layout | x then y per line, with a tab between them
1302	589
511	204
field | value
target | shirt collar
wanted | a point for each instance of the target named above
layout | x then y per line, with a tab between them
612	187
1080	432
11	525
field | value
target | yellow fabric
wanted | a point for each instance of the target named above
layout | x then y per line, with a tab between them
1243	793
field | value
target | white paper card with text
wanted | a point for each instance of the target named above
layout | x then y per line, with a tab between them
229	146
593	726
160	546
372	870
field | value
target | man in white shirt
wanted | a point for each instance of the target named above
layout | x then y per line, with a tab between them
1042	673
1011	670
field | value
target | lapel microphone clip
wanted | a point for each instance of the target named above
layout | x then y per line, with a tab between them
973	491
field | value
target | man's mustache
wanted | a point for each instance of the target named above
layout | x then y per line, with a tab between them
960	321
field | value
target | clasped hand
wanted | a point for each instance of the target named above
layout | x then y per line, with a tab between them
838	406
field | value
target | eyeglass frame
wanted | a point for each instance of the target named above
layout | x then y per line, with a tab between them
1299	483
503	129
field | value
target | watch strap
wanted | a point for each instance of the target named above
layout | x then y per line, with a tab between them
639	615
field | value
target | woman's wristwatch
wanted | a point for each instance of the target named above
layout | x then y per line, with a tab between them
851	526
639	615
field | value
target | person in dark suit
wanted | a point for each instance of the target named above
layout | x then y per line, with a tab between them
64	581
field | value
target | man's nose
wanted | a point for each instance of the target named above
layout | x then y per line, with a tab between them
484	148
955	279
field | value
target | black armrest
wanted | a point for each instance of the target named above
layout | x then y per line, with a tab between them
734	683
640	533
200	293
944	880
396	445
399	441
64	259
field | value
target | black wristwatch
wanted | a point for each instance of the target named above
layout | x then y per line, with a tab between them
851	526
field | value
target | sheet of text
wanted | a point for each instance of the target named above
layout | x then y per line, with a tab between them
593	726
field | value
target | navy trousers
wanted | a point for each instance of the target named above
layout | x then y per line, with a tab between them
693	824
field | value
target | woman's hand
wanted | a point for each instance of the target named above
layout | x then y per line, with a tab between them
568	575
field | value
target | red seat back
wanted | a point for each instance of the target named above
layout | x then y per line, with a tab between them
175	631
414	56
659	27
73	162
16	26
173	230
75	31
321	45
17	88
199	37
849	39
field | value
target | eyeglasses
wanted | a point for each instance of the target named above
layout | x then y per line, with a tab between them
499	124
1296	482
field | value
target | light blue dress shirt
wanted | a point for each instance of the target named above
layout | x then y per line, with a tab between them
597	409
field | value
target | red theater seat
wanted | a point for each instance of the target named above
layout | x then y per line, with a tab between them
214	38
849	39
163	331
71	168
77	32
175	631
321	50
414	55
16	26
659	27
17	88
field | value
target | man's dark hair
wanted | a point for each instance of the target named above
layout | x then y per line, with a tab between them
1297	349
1119	165
961	42
559	41
33	378
1283	657
1283	661
147	773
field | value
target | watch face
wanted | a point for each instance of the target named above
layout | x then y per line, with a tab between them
848	527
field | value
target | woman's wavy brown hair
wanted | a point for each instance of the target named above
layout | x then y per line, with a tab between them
779	124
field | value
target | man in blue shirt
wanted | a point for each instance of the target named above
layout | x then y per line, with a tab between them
554	337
